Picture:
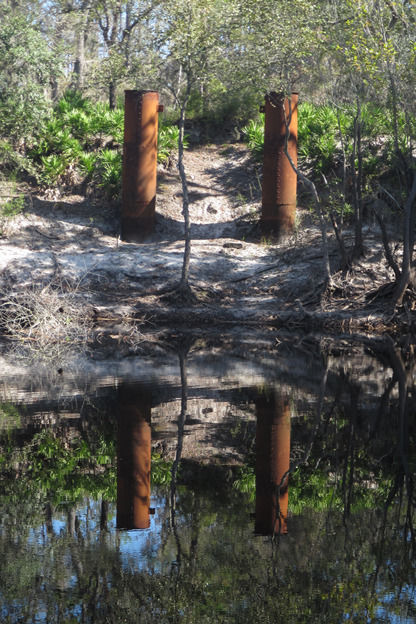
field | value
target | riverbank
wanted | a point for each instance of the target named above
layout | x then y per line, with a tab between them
64	252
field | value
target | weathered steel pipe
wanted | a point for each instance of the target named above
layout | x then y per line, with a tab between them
272	464
139	165
133	458
279	179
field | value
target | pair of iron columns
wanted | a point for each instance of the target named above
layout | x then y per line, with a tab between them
140	165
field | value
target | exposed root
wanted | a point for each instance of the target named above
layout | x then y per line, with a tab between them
178	295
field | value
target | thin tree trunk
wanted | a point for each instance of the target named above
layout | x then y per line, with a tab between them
78	80
409	217
387	251
344	165
345	258
79	65
357	184
112	95
184	283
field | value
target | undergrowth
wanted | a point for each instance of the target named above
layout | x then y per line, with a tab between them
325	150
80	142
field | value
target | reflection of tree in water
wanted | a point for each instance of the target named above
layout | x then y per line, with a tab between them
185	557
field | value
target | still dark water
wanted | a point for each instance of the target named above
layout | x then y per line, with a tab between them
251	483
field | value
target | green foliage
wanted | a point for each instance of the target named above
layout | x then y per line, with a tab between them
10	417
109	171
72	100
69	139
74	136
105	122
245	481
53	166
13	162
219	110
87	163
26	63
375	121
14	206
318	135
167	142
66	470
79	123
161	470
253	135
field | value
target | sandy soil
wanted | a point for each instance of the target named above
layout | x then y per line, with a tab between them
73	242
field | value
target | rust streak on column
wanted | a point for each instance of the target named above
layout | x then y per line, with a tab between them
133	458
279	180
272	463
139	165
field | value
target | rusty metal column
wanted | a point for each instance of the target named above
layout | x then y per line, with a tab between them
279	179
272	463
133	458
139	165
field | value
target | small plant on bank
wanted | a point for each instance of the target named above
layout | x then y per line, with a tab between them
14	206
109	170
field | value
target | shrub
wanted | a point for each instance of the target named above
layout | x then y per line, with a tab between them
109	169
167	142
70	101
253	135
26	65
53	166
317	135
87	163
72	135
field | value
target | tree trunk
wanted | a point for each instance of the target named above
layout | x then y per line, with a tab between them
79	65
184	284
78	79
406	273
357	180
112	101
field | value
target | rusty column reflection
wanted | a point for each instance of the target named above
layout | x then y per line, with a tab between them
133	458
279	179
272	463
139	165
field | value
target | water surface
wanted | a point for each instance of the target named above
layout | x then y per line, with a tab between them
211	485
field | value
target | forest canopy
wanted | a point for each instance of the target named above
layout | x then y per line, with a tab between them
232	51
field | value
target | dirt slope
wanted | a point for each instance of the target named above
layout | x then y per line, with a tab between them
73	242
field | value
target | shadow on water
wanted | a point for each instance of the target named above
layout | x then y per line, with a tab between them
202	484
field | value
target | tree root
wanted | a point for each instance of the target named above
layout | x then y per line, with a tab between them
180	295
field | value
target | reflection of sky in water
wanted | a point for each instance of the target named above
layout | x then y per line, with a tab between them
385	616
137	547
389	601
